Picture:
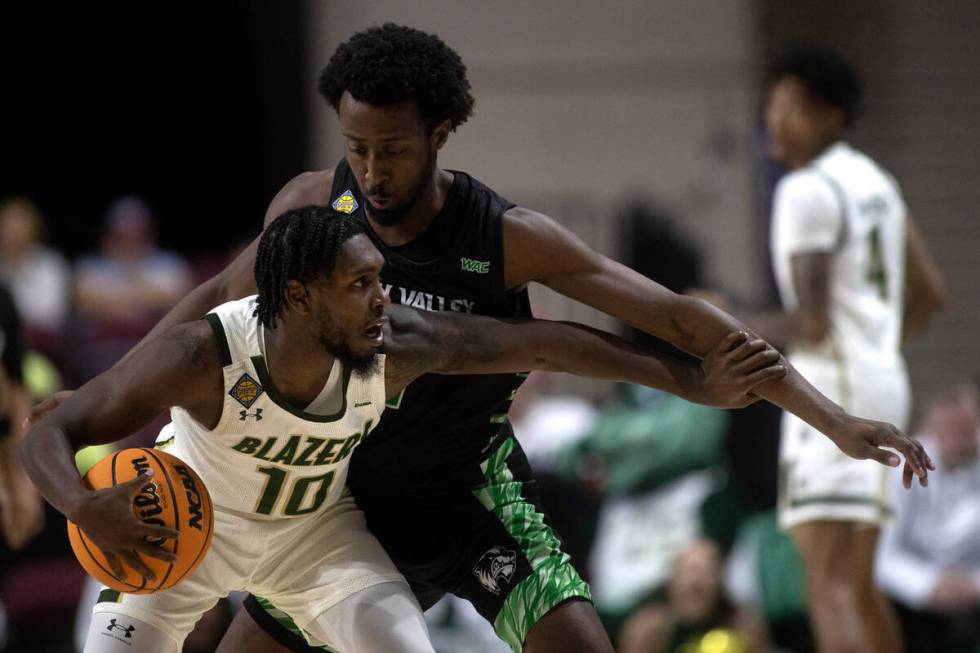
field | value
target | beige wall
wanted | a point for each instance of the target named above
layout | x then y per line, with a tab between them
581	104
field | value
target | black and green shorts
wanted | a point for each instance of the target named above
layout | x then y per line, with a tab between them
489	545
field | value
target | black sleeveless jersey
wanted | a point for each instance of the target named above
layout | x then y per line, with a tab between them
434	436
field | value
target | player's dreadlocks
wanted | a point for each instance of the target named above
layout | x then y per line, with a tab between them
301	244
827	76
388	64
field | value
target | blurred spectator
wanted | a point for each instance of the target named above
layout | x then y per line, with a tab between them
929	557
695	615
21	514
121	292
657	461
545	422
38	277
38	580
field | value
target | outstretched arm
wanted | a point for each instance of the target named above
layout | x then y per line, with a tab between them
538	249
181	368
451	343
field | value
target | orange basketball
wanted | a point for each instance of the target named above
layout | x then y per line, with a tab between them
175	497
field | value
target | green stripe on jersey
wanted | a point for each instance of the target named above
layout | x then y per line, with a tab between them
219	334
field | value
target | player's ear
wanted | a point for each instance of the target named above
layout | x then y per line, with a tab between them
297	296
440	134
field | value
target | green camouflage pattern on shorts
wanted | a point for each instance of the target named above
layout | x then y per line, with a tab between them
553	578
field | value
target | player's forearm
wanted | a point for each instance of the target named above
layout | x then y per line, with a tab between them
49	460
915	321
704	326
780	328
587	352
920	306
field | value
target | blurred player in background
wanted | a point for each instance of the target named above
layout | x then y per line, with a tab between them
856	280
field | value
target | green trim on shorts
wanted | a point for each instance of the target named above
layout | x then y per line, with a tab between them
553	579
839	500
553	582
287	622
109	595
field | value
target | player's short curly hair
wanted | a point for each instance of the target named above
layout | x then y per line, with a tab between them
827	76
300	244
387	64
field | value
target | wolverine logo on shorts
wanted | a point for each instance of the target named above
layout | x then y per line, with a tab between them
246	390
345	203
496	564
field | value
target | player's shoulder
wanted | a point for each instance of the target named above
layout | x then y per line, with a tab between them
520	221
192	347
804	184
304	189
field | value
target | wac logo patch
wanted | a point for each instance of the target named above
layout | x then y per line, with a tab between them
345	203
469	265
496	565
246	390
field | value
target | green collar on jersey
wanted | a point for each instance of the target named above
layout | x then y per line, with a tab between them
279	400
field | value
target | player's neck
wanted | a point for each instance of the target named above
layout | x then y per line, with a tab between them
297	362
420	216
815	154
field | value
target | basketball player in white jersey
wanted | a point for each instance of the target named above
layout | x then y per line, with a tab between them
855	279
269	395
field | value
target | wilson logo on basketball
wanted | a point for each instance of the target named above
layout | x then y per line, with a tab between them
148	501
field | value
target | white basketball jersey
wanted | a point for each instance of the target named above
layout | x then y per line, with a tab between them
845	204
266	458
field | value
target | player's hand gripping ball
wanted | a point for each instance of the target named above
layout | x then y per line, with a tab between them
174	497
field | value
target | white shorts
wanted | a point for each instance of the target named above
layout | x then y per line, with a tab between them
817	481
303	565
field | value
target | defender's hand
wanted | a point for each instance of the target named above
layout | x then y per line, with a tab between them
108	519
738	364
864	438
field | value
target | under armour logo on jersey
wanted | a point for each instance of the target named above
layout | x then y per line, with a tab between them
126	629
244	414
496	565
345	203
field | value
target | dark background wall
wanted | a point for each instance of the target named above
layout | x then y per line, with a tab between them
198	107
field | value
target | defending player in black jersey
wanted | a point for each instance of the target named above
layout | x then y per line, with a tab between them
443	482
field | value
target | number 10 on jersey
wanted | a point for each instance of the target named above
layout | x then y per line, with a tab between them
299	489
